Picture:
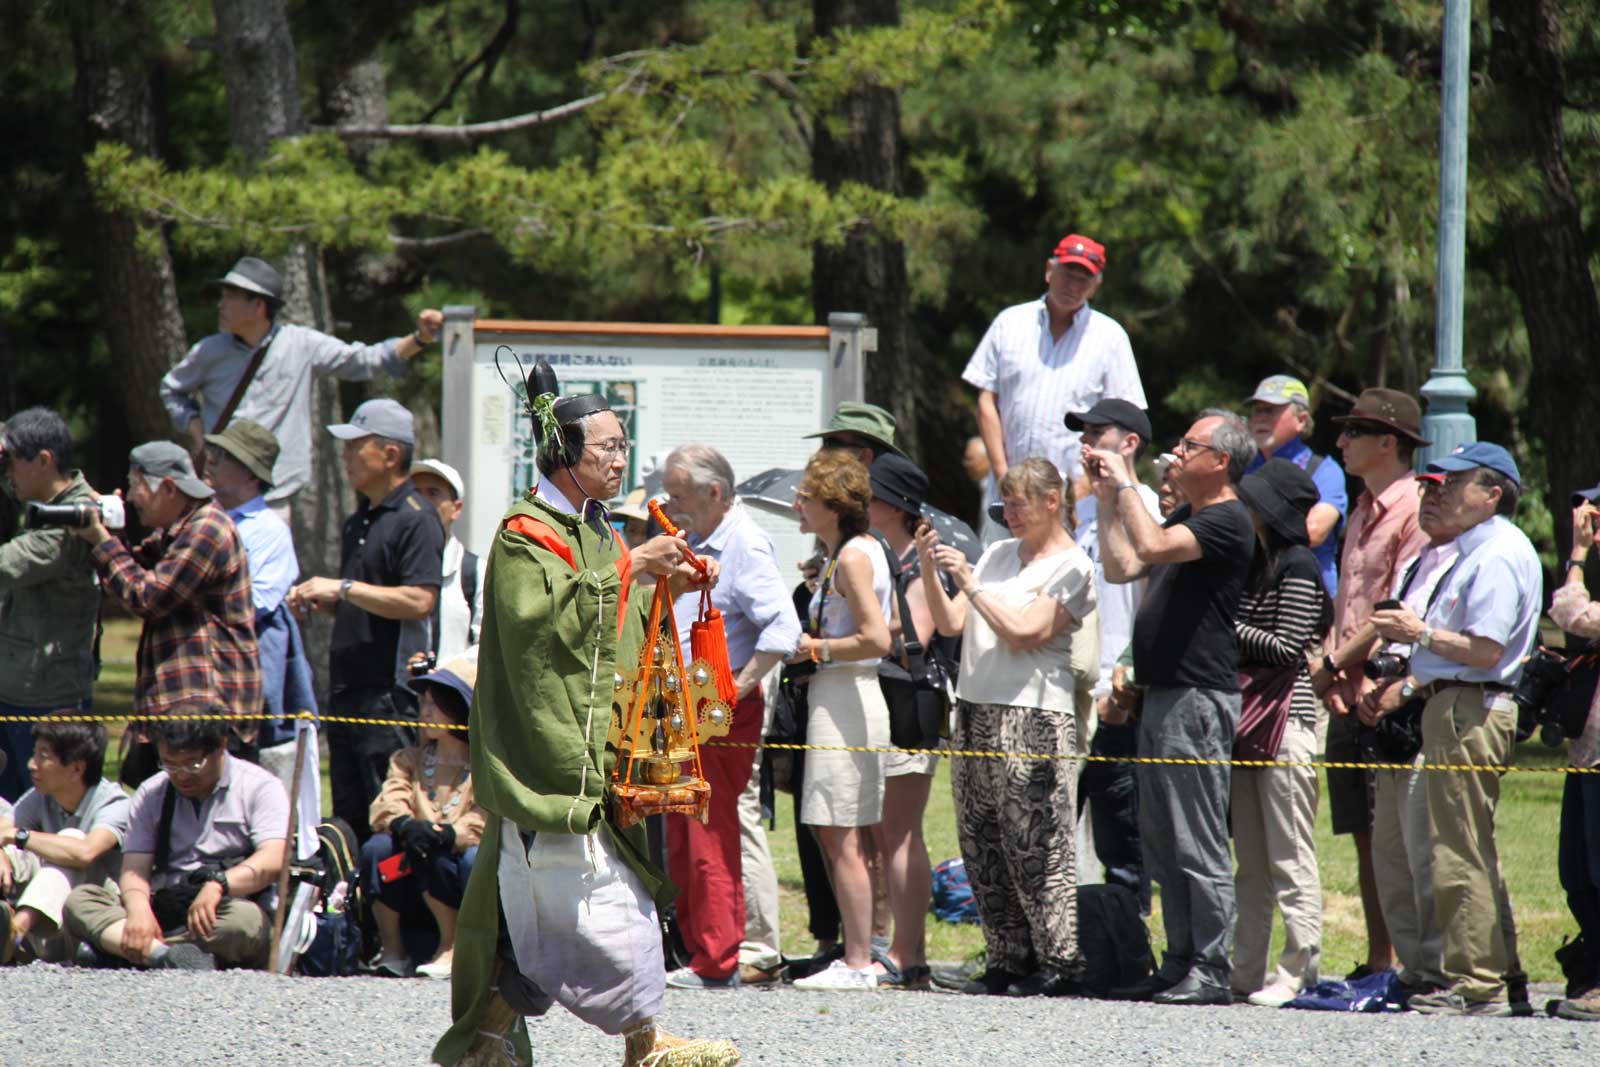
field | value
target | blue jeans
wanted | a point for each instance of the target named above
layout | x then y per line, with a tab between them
16	741
444	878
1578	854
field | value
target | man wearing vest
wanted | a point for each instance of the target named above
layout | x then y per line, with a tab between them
578	894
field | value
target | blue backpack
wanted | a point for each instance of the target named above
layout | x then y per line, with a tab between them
952	893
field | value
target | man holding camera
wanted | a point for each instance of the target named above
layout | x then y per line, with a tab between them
49	597
189	582
1378	439
391	552
257	368
1469	645
206	839
1186	655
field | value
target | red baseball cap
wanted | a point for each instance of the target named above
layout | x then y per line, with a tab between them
1084	251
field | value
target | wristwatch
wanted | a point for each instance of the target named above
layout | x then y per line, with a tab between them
344	588
1426	640
22	836
1329	666
1408	689
827	653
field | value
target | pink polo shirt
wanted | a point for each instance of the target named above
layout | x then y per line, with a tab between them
1381	538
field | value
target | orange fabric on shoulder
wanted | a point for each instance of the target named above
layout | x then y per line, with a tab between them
543	535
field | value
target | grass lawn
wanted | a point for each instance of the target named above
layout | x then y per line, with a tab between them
1528	822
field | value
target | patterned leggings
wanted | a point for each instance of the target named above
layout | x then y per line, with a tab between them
1017	822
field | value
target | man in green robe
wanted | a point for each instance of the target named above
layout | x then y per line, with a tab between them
578	895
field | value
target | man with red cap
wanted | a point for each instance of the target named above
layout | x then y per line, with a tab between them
1047	357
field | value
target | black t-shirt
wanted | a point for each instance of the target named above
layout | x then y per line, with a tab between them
1184	636
398	542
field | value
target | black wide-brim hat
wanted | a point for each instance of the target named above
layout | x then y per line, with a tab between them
899	482
1282	495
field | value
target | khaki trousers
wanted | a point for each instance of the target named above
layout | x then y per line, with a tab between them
1402	864
1274	826
241	938
44	888
760	947
1467	724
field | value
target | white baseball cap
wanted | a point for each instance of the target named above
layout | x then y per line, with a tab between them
443	470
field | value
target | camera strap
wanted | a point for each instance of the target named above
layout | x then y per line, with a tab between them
257	356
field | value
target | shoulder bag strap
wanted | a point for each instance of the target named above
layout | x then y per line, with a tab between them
912	654
250	370
169	800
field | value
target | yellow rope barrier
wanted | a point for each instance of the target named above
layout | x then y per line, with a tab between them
779	746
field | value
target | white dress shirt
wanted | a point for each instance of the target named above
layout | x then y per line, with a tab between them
1496	591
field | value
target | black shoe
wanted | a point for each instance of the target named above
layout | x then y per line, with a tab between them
806	966
1144	990
1517	997
185	956
1194	990
991	983
1046	982
1362	971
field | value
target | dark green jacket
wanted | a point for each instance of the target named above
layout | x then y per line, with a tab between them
49	604
540	723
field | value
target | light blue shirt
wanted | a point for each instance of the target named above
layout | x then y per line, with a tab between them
1329	479
1496	591
757	608
269	551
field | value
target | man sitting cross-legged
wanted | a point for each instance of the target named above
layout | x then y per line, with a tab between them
205	842
67	831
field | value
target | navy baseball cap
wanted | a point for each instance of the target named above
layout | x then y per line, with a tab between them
1475	454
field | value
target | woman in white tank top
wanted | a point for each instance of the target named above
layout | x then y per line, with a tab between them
842	793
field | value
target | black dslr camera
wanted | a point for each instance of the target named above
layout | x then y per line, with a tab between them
1386	665
79	513
422	663
1546	676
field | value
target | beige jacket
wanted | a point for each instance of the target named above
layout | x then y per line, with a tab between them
405	792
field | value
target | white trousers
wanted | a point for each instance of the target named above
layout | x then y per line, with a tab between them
582	926
44	887
1274	843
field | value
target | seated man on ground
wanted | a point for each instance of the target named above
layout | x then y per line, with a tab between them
205	843
426	825
66	831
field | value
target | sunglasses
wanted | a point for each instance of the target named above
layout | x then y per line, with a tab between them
1354	430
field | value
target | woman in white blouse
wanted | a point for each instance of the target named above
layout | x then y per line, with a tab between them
848	633
1018	610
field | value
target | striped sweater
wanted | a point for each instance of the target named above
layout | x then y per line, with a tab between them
1283	615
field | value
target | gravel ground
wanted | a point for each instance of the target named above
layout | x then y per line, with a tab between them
60	1017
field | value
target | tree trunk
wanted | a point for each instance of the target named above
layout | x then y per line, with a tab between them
860	142
261	74
138	308
1545	248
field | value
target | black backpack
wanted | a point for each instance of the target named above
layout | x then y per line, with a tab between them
336	949
1112	938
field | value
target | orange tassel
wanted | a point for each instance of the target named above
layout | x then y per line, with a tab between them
709	641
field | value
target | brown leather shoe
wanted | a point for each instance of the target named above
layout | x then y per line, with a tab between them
752	975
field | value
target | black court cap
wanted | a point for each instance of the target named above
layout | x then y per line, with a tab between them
899	482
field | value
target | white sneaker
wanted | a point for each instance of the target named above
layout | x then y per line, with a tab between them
840	978
439	971
1275	994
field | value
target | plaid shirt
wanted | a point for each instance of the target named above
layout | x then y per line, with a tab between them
191	586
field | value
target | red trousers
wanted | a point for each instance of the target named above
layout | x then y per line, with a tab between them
704	860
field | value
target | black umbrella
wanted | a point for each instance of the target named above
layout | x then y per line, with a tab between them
773	490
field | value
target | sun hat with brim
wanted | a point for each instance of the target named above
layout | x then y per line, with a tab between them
252	444
899	482
163	459
459	676
1478	454
1112	412
1282	495
378	418
634	506
863	420
255	276
1389	408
